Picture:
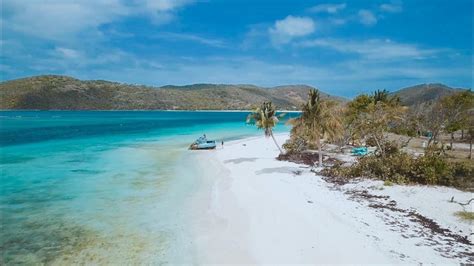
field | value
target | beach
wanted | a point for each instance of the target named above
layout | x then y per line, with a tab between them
122	187
256	209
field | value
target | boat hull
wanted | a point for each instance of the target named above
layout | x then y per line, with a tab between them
210	145
202	148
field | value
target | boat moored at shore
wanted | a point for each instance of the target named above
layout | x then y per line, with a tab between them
203	144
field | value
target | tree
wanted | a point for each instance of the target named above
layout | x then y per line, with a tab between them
352	115
470	132
448	114
456	110
319	120
371	116
433	119
384	96
265	117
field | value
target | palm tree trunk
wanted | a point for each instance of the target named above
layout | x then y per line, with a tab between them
470	149
451	141
274	140
320	155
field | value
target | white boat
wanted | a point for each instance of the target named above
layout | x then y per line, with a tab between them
203	144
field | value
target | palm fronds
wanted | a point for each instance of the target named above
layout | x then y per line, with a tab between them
265	117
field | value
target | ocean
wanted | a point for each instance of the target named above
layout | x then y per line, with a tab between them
103	186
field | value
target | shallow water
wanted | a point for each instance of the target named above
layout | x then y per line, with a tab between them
102	187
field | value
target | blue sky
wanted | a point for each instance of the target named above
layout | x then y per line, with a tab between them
341	47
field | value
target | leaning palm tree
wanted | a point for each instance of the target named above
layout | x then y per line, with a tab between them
319	120
265	117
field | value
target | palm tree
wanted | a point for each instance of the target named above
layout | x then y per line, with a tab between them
320	120
264	117
381	96
385	97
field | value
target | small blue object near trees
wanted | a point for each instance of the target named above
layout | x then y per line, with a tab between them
359	151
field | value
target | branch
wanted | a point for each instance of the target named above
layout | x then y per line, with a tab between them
405	144
463	205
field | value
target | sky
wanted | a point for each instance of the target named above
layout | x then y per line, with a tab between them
341	47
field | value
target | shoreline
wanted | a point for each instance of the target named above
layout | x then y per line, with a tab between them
254	209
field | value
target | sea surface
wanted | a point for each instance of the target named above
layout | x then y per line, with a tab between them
102	186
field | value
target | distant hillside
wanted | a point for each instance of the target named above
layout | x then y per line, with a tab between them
66	93
423	93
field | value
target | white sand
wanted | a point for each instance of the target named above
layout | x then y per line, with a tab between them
255	209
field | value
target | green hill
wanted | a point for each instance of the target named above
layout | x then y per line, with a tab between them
66	93
424	93
50	92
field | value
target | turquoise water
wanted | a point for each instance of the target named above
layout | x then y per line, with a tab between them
102	187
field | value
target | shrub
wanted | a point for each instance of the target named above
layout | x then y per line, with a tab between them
464	215
399	167
432	169
295	145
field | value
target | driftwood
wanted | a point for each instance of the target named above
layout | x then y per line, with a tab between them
463	205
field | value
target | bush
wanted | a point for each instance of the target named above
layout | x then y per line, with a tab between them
295	145
432	169
404	130
399	167
464	215
370	142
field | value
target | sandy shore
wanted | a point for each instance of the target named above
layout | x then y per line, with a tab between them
255	209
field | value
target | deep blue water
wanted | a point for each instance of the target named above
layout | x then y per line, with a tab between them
101	186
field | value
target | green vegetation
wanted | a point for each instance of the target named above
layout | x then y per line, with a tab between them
369	117
49	92
465	215
368	120
319	119
447	115
265	117
66	93
402	168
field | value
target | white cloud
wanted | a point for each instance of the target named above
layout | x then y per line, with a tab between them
391	8
165	5
366	17
283	31
55	19
161	11
67	53
255	35
374	49
63	19
192	38
327	8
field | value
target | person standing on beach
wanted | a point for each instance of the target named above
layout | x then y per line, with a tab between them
222	143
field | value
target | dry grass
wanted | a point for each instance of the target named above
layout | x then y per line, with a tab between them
464	215
415	146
